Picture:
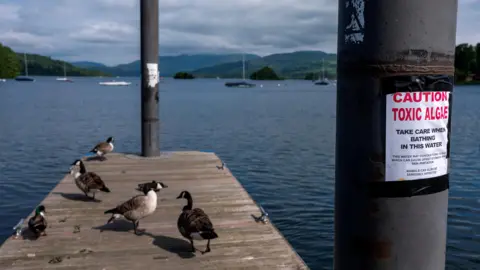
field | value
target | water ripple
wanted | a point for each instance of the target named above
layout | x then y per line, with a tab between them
279	143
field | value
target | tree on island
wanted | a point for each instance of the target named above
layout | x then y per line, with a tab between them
467	63
265	73
9	63
183	75
310	76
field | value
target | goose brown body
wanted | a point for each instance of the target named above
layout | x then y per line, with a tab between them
88	181
194	224
103	148
136	208
154	184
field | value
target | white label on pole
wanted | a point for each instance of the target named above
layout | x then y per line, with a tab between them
416	135
152	71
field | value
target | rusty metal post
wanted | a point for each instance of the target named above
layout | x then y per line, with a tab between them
149	64
394	93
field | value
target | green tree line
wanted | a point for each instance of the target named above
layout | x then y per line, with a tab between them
9	63
467	62
12	65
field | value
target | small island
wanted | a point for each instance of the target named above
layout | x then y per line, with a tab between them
310	76
265	73
183	76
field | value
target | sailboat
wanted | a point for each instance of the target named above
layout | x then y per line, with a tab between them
115	83
64	79
323	81
25	78
244	83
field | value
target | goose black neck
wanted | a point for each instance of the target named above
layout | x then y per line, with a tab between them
82	168
189	205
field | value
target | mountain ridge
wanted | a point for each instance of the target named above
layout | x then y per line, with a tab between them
289	65
294	65
170	65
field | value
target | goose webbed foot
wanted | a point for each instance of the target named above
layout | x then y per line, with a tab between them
44	233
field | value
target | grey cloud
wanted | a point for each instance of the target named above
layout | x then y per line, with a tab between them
108	30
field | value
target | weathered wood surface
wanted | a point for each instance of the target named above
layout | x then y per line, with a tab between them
242	243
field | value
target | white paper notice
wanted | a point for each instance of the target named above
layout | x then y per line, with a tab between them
152	71
416	135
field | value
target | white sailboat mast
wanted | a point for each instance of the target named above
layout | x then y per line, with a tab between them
243	63
26	63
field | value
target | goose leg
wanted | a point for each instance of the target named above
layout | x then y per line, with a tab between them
208	247
193	247
134	227
111	219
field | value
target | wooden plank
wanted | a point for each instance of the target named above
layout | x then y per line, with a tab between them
78	237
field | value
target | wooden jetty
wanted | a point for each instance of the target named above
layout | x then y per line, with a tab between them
77	237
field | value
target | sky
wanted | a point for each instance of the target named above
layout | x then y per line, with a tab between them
107	31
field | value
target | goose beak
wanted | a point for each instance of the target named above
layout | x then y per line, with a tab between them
179	197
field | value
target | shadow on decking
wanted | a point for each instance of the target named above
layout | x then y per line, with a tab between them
76	197
27	234
116	226
95	158
173	245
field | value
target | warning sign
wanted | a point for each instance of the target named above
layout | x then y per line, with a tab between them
416	135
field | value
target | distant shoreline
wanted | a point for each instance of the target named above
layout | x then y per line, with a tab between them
468	83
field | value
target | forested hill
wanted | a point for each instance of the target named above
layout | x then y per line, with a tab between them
46	66
12	65
9	64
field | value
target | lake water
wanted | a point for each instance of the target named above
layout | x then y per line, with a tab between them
279	141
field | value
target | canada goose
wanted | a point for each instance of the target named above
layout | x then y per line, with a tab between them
154	184
137	207
38	223
194	224
221	167
103	148
87	181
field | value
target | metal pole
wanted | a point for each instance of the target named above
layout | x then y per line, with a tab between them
394	93
149	64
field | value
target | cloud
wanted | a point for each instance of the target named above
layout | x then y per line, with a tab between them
108	30
104	32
